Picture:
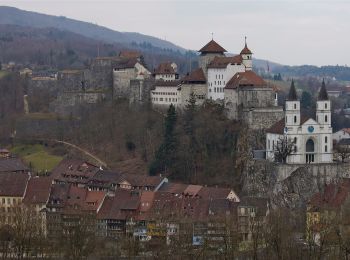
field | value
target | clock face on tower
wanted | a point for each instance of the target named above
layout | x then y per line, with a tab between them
310	129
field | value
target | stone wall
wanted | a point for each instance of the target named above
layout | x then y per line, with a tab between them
101	74
256	97
199	90
121	82
261	118
140	91
43	84
68	103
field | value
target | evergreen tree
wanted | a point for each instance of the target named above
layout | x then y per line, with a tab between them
166	153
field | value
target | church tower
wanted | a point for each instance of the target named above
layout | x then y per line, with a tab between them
247	57
323	107
292	116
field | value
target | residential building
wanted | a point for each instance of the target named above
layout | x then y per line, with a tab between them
13	187
166	72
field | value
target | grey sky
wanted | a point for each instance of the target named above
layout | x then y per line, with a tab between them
284	31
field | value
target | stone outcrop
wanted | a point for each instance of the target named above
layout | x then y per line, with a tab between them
290	185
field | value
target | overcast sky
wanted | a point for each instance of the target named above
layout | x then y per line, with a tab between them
286	31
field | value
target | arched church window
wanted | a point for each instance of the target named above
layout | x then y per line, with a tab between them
310	146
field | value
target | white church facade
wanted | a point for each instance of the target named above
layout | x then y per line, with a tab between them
311	139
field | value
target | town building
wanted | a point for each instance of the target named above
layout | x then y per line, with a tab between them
166	93
311	139
12	191
166	72
341	134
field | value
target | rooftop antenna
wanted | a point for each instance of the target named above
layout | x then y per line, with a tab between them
212	36
245	40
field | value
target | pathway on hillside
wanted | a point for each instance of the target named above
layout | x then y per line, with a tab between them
102	163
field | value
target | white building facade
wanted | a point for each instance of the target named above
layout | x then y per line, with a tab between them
166	93
311	139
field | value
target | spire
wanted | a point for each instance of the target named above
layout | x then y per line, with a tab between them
292	96
246	49
323	95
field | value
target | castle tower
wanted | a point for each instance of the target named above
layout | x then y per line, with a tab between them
292	116
247	57
323	107
211	50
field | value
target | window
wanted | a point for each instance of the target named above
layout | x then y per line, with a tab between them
295	119
295	140
295	106
326	118
326	139
326	148
325	105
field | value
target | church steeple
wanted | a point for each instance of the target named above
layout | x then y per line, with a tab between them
292	116
323	106
323	95
292	96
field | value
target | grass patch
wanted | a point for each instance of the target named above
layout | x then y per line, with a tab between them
37	156
3	73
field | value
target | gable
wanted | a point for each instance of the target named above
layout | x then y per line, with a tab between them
310	121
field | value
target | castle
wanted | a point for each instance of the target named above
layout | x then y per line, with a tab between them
310	139
229	81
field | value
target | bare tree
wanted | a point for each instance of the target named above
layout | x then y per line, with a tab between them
342	152
283	148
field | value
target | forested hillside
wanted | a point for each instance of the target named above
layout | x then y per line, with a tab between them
56	49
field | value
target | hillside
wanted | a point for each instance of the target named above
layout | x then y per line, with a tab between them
14	16
59	49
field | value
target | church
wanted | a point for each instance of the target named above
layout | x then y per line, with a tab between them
310	139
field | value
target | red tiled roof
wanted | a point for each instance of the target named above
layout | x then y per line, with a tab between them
278	127
334	196
174	188
122	206
222	62
346	130
125	63
74	171
13	184
165	68
192	190
196	76
243	79
38	190
214	193
129	54
12	165
246	50
212	47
